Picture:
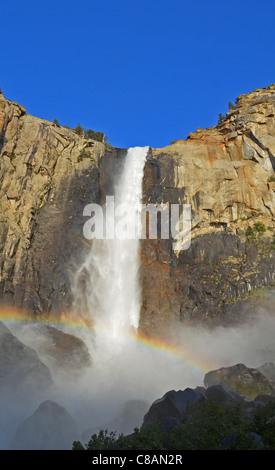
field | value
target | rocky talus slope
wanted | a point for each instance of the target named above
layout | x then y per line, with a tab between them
225	172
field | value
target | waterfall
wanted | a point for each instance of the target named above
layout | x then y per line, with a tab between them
107	283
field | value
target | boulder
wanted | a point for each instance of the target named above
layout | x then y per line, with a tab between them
20	367
51	427
228	441
222	396
171	406
264	399
243	380
58	349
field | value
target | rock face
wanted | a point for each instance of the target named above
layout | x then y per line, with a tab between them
60	351
44	186
51	427
167	411
234	389
240	379
20	367
225	172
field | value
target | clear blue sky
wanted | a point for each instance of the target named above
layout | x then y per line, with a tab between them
145	72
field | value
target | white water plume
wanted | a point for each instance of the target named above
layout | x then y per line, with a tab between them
110	272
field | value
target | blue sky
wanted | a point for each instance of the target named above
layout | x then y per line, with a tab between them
145	72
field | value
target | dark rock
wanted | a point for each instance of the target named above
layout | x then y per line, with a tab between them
255	439
169	423
240	379
171	405
250	408
222	396
228	441
264	399
20	367
51	427
258	440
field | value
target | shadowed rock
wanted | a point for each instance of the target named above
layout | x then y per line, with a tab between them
20	367
222	396
255	439
60	350
50	427
264	399
171	405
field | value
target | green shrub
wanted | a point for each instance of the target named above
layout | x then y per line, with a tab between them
101	441
256	231
85	154
250	232
221	118
205	425
271	179
264	424
95	135
108	146
148	439
12	156
151	438
79	130
90	134
260	227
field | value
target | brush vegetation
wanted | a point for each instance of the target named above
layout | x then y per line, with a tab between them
207	425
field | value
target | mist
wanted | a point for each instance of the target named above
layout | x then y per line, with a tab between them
113	374
125	378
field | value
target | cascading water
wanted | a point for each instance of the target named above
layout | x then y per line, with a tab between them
110	273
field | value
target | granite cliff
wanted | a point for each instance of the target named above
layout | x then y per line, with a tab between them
48	174
227	174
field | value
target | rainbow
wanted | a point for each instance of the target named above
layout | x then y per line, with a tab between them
13	316
184	353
